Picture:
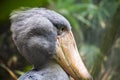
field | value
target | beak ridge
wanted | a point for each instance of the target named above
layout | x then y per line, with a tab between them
69	58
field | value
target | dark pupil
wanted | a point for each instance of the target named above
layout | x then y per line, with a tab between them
62	29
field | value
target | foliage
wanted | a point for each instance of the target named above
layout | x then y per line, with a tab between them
8	5
91	20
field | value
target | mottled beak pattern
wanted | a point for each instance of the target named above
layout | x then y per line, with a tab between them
69	58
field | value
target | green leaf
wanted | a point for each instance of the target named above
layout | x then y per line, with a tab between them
82	19
8	5
91	56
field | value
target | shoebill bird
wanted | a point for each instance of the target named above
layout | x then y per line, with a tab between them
45	39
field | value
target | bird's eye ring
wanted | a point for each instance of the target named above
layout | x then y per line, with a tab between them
62	29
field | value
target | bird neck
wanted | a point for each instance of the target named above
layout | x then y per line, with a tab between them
47	64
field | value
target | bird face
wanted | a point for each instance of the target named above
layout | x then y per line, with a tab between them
41	35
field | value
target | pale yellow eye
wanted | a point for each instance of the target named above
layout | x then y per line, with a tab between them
62	29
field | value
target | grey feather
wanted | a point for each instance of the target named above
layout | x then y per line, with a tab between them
51	71
34	32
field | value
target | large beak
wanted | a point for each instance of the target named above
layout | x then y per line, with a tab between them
69	58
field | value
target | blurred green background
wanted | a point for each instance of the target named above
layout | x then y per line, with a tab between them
96	27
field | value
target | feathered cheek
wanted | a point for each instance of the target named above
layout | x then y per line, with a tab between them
38	42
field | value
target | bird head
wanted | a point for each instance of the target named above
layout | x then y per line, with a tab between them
42	35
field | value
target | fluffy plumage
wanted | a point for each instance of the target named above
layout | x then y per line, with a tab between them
34	32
